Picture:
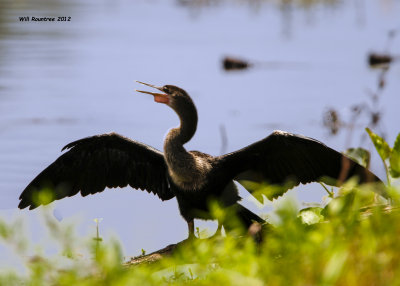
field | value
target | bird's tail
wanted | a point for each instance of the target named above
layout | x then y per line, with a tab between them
247	217
246	221
240	217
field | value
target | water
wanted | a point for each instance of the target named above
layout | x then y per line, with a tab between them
63	81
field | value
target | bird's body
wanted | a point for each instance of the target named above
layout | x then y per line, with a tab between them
194	178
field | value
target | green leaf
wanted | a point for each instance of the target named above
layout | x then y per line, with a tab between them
311	215
256	189
359	155
381	145
259	190
395	159
43	197
334	266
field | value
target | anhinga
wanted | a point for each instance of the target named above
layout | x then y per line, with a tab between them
194	178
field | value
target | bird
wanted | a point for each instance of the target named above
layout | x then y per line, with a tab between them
195	179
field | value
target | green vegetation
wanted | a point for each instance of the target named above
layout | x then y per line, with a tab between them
353	240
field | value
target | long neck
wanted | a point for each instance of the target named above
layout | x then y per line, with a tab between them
188	124
178	159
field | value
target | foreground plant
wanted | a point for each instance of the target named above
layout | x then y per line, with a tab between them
354	242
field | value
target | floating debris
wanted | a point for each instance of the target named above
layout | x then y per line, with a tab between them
230	63
233	64
375	59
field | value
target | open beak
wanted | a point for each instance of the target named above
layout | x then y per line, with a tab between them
158	97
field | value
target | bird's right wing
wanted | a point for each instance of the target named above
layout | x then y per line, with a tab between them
97	162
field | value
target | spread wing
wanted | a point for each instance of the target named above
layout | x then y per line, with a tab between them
97	162
287	160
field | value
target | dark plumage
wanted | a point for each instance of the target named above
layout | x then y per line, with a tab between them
101	161
194	178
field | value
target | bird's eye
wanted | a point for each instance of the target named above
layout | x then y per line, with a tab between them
166	89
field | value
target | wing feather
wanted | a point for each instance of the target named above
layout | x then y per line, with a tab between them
284	157
91	164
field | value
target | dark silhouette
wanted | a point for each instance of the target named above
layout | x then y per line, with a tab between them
230	63
194	178
377	60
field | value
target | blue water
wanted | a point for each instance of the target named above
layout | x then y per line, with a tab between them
63	81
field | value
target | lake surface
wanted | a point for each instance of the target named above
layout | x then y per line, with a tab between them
61	81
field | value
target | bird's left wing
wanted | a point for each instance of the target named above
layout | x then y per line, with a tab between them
286	160
97	162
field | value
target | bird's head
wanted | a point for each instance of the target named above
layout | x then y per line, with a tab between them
171	95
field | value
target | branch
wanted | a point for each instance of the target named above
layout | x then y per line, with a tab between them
154	256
